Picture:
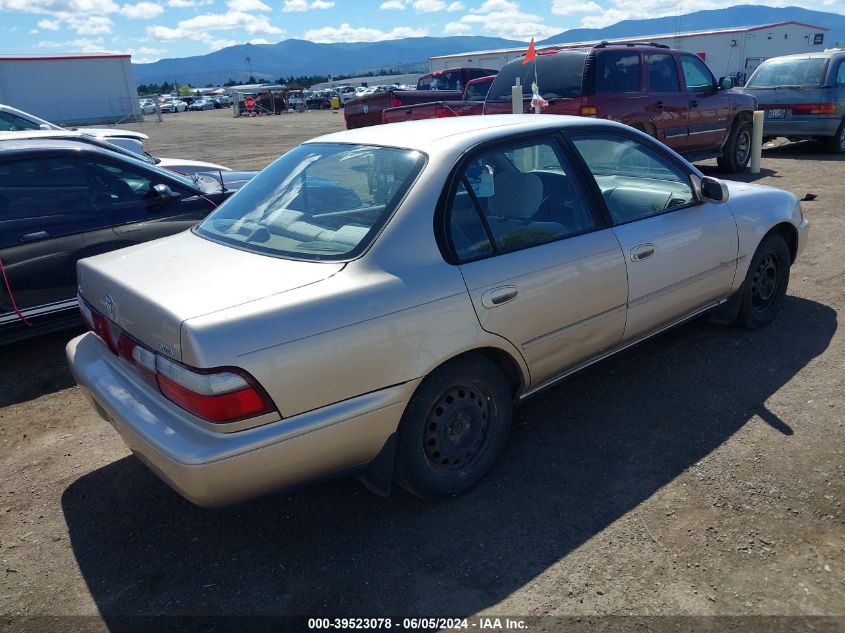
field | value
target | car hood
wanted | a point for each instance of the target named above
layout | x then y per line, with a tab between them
185	165
150	289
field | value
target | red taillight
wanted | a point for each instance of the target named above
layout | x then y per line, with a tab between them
224	394
217	395
814	108
395	102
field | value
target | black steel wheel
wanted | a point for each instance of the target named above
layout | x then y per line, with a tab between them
454	428
737	149
765	283
836	145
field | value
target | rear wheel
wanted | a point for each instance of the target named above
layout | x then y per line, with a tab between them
454	428
765	283
737	149
836	145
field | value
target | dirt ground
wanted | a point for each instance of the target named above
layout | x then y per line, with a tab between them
700	474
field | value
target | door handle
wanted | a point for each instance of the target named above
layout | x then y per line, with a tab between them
34	237
659	105
693	104
499	296
643	251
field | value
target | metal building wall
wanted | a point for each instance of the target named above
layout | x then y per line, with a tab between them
732	52
73	90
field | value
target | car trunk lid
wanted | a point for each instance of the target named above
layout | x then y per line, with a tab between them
150	289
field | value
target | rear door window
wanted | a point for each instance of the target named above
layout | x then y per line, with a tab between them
516	197
617	71
12	123
662	73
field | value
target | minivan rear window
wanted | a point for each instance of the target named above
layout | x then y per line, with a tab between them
558	76
788	72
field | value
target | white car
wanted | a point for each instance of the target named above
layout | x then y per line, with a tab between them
173	105
132	147
147	106
14	120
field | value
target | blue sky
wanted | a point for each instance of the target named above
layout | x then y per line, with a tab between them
153	29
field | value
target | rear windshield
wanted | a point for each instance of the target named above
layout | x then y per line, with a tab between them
788	72
558	76
320	201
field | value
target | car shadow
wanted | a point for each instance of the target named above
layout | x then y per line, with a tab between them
802	150
35	367
582	455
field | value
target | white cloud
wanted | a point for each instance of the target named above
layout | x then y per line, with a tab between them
73	7
457	28
82	45
187	4
303	5
199	27
259	40
455	6
347	33
428	6
33	31
49	25
504	19
567	7
392	4
220	44
89	25
141	10
247	5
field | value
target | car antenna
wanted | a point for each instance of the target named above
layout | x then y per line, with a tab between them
222	184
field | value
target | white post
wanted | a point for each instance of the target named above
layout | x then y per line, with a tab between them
236	104
756	141
516	97
158	108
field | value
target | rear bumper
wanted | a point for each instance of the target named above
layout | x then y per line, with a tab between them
212	468
806	128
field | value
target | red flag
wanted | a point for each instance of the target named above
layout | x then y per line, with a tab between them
531	54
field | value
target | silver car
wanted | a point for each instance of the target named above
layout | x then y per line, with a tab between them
376	300
803	96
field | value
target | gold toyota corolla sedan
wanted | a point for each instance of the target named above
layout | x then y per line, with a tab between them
376	300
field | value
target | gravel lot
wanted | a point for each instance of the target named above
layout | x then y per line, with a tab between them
700	474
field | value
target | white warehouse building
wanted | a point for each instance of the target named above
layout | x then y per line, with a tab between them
732	52
71	89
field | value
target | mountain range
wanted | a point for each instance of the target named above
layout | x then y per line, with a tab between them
294	57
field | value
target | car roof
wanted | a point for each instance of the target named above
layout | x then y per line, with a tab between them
22	144
429	135
809	55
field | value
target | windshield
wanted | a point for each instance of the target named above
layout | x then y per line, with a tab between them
558	76
319	201
788	72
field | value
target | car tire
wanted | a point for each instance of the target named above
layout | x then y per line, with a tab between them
764	288
836	144
453	429
737	149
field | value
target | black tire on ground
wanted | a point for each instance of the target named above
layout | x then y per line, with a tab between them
836	145
764	288
453	429
737	149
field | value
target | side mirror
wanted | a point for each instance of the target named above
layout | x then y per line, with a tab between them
164	194
726	83
710	189
44	126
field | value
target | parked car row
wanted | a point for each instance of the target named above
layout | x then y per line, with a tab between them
183	104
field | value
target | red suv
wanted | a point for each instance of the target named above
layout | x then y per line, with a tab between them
669	94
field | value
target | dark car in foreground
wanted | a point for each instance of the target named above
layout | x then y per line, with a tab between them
670	95
803	97
62	200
